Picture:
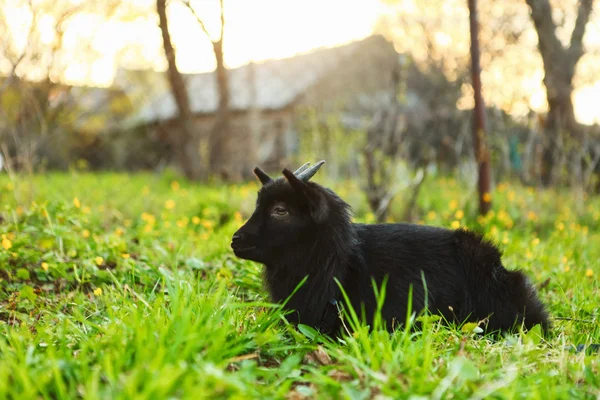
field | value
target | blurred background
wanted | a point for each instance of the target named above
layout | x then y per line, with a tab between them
380	89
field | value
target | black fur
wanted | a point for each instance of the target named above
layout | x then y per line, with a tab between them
465	279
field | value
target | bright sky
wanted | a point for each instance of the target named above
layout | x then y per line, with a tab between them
258	30
255	30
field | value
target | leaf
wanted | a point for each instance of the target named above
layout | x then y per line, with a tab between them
534	335
46	243
340	376
464	368
195	263
23	274
429	318
27	292
308	331
244	357
471	327
322	356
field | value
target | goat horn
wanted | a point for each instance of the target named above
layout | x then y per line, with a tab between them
302	168
305	175
264	178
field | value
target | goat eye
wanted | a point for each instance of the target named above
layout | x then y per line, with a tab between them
279	212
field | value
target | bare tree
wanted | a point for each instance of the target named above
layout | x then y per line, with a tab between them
38	113
559	67
386	136
186	142
219	133
482	154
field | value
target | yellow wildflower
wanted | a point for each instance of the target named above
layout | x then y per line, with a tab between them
169	204
453	205
567	268
85	233
487	197
455	225
146	190
208	224
76	202
431	215
19	210
86	210
127	223
148	228
195	220
99	261
45	266
125	255
149	218
459	214
98	291
535	241
237	216
511	195
6	243
119	232
175	186
182	223
589	273
560	226
505	240
10	186
529	254
532	216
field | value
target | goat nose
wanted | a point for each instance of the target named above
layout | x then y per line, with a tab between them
237	236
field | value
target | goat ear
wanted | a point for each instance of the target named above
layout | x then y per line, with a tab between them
295	183
317	204
264	178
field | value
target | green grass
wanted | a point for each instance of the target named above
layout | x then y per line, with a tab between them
116	286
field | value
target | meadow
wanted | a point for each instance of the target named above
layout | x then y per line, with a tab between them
124	286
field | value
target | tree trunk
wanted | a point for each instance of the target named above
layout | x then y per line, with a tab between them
482	154
184	141
220	131
559	68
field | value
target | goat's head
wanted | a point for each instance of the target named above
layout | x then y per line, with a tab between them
288	212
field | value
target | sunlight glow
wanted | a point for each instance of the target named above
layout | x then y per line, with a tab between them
585	101
262	29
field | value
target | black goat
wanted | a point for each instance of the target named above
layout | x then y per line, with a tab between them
300	229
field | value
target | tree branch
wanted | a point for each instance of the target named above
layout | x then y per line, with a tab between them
202	25
541	14
223	20
583	16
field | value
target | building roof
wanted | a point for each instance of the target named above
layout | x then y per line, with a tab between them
269	85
